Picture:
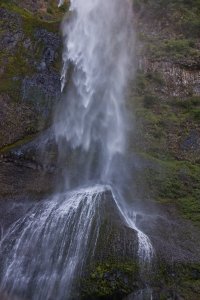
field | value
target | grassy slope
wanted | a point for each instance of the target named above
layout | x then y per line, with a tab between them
172	31
167	123
167	128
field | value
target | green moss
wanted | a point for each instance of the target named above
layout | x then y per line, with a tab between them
149	101
21	62
55	11
144	82
178	18
160	8
31	22
17	144
196	114
177	280
108	279
174	49
11	87
16	68
175	182
186	104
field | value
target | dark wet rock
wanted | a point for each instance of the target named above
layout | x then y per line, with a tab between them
112	271
24	178
16	120
42	90
11	27
192	142
30	73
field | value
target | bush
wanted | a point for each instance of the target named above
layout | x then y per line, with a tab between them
149	101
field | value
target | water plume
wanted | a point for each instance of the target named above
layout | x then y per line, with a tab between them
97	58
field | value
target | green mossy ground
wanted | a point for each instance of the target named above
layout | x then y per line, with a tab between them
19	63
176	183
177	281
52	14
20	58
17	144
178	23
110	278
172	175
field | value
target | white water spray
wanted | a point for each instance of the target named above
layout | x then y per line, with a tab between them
98	40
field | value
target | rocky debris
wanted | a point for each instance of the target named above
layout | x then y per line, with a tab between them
178	81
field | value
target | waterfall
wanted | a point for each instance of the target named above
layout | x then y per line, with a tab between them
92	117
46	251
97	56
51	244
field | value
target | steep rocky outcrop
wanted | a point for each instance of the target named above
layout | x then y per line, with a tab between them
30	66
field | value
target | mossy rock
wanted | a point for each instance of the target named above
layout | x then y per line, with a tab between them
110	280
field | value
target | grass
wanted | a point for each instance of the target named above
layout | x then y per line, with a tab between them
175	29
17	144
174	182
172	175
173	49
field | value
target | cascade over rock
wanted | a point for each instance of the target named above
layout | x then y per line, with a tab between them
53	250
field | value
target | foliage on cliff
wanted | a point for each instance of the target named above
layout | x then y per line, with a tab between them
30	65
166	99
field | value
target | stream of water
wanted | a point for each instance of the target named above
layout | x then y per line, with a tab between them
46	251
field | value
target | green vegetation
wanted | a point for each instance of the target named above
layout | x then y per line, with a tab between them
20	57
178	280
169	127
110	279
175	49
53	13
19	63
176	183
178	26
19	143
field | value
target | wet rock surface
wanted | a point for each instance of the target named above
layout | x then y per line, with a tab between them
29	72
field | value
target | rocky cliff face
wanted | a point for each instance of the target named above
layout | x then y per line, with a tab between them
30	85
166	100
166	97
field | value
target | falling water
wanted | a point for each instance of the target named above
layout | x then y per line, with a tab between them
97	62
97	55
46	250
52	241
